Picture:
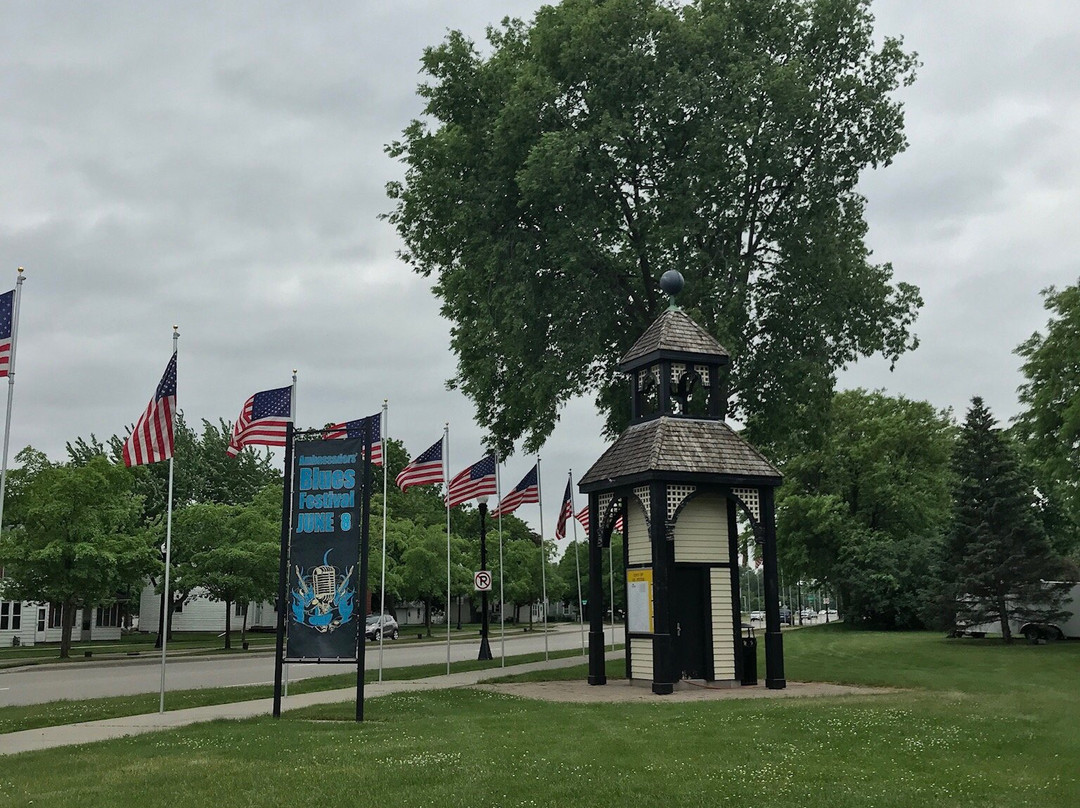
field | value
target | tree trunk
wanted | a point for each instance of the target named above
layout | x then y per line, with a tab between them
243	627
427	615
169	616
1003	614
67	622
161	621
228	624
530	618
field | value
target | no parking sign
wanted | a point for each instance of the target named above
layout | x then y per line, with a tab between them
482	581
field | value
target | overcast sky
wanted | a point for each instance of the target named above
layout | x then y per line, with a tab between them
220	166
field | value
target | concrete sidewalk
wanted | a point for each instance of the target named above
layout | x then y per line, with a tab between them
92	731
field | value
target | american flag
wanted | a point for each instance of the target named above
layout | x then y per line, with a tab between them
152	438
263	421
476	481
7	308
528	490
583	517
355	429
425	469
565	513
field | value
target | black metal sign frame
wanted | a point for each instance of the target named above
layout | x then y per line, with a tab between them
323	564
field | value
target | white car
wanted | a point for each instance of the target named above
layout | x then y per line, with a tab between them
757	616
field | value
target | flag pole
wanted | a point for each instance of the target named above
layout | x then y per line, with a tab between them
281	667
502	599
168	550
384	432
11	388
446	500
288	476
611	584
543	554
577	560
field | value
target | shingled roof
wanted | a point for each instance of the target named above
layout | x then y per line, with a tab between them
669	445
674	331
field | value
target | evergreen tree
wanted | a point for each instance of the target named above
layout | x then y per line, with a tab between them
998	559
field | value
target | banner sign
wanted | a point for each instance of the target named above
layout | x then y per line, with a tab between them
323	612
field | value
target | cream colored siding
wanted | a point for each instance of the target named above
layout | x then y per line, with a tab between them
701	533
641	665
637	535
722	629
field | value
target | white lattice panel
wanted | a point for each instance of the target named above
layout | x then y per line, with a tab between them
749	497
676	494
642	494
602	504
645	373
677	371
703	372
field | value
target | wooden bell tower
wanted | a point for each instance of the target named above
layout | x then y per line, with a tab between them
680	476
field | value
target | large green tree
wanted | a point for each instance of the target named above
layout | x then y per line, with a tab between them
1049	425
998	558
78	540
563	167
240	562
866	512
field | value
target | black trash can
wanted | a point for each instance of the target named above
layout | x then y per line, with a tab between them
749	656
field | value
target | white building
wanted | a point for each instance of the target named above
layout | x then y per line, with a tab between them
200	612
28	623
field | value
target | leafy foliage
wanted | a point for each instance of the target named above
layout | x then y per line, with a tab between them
998	555
867	511
1049	426
556	178
576	556
78	541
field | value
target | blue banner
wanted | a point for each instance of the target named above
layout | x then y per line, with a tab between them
323	614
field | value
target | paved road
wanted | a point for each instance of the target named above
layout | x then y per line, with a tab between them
34	685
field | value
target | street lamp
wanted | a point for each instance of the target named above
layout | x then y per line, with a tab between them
485	648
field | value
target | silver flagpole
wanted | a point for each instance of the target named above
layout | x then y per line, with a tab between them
11	388
384	433
288	476
502	600
543	553
446	499
577	560
167	602
611	585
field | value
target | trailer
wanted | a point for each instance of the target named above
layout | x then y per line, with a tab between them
1065	629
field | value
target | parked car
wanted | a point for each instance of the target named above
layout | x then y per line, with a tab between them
386	626
757	616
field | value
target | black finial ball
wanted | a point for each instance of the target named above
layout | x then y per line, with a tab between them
672	282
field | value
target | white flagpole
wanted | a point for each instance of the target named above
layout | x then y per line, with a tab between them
167	601
288	475
11	387
446	499
543	553
577	560
502	600
611	585
384	434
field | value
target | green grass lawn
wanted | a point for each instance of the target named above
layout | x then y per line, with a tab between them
55	713
977	724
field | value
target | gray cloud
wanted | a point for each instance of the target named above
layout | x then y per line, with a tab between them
221	167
